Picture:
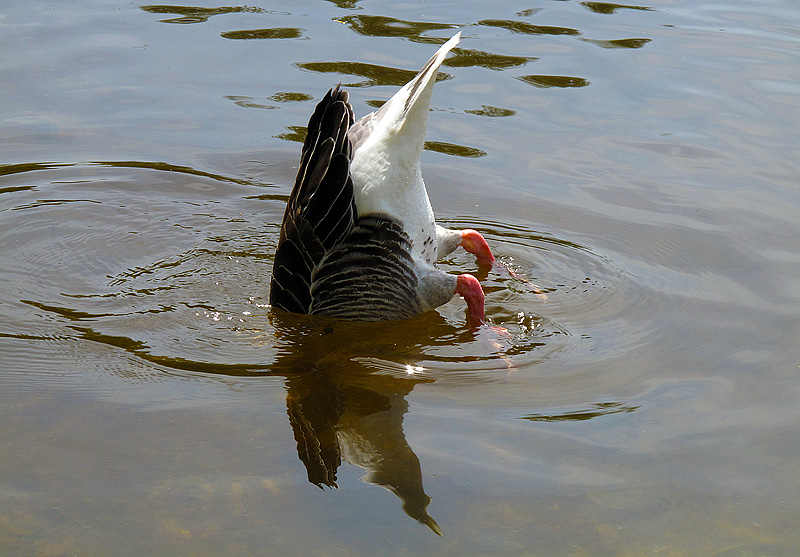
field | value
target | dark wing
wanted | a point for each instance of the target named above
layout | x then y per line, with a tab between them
315	404
370	276
321	208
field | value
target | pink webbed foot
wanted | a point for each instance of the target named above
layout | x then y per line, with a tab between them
475	243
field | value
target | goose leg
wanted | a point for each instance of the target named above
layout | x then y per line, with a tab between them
474	242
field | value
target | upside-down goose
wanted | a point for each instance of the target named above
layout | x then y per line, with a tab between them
358	239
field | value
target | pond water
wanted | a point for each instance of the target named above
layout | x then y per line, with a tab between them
639	163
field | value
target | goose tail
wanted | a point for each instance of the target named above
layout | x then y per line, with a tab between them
406	113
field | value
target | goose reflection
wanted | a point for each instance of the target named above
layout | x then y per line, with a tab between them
342	408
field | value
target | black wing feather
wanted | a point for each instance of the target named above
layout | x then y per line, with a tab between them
321	208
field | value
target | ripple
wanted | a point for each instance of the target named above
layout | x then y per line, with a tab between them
193	14
182	293
270	33
619	43
610	8
491	111
526	28
375	74
453	149
248	102
290	97
183	289
465	58
591	299
546	81
596	410
663	359
172	168
170	248
383	26
296	134
6	169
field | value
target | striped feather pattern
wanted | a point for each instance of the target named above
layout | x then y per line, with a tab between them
370	276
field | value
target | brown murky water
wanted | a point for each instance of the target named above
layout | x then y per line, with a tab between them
637	162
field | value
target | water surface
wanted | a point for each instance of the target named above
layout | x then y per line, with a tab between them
638	163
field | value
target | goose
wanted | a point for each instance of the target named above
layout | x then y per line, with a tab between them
359	240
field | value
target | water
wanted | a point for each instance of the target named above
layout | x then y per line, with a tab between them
639	163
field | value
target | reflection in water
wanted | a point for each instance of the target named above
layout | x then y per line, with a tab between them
465	57
295	133
253	102
346	383
247	102
491	111
7	169
376	75
453	149
619	43
676	295
290	97
598	409
382	26
608	8
193	14
345	4
272	33
298	135
554	80
528	28
169	167
340	410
